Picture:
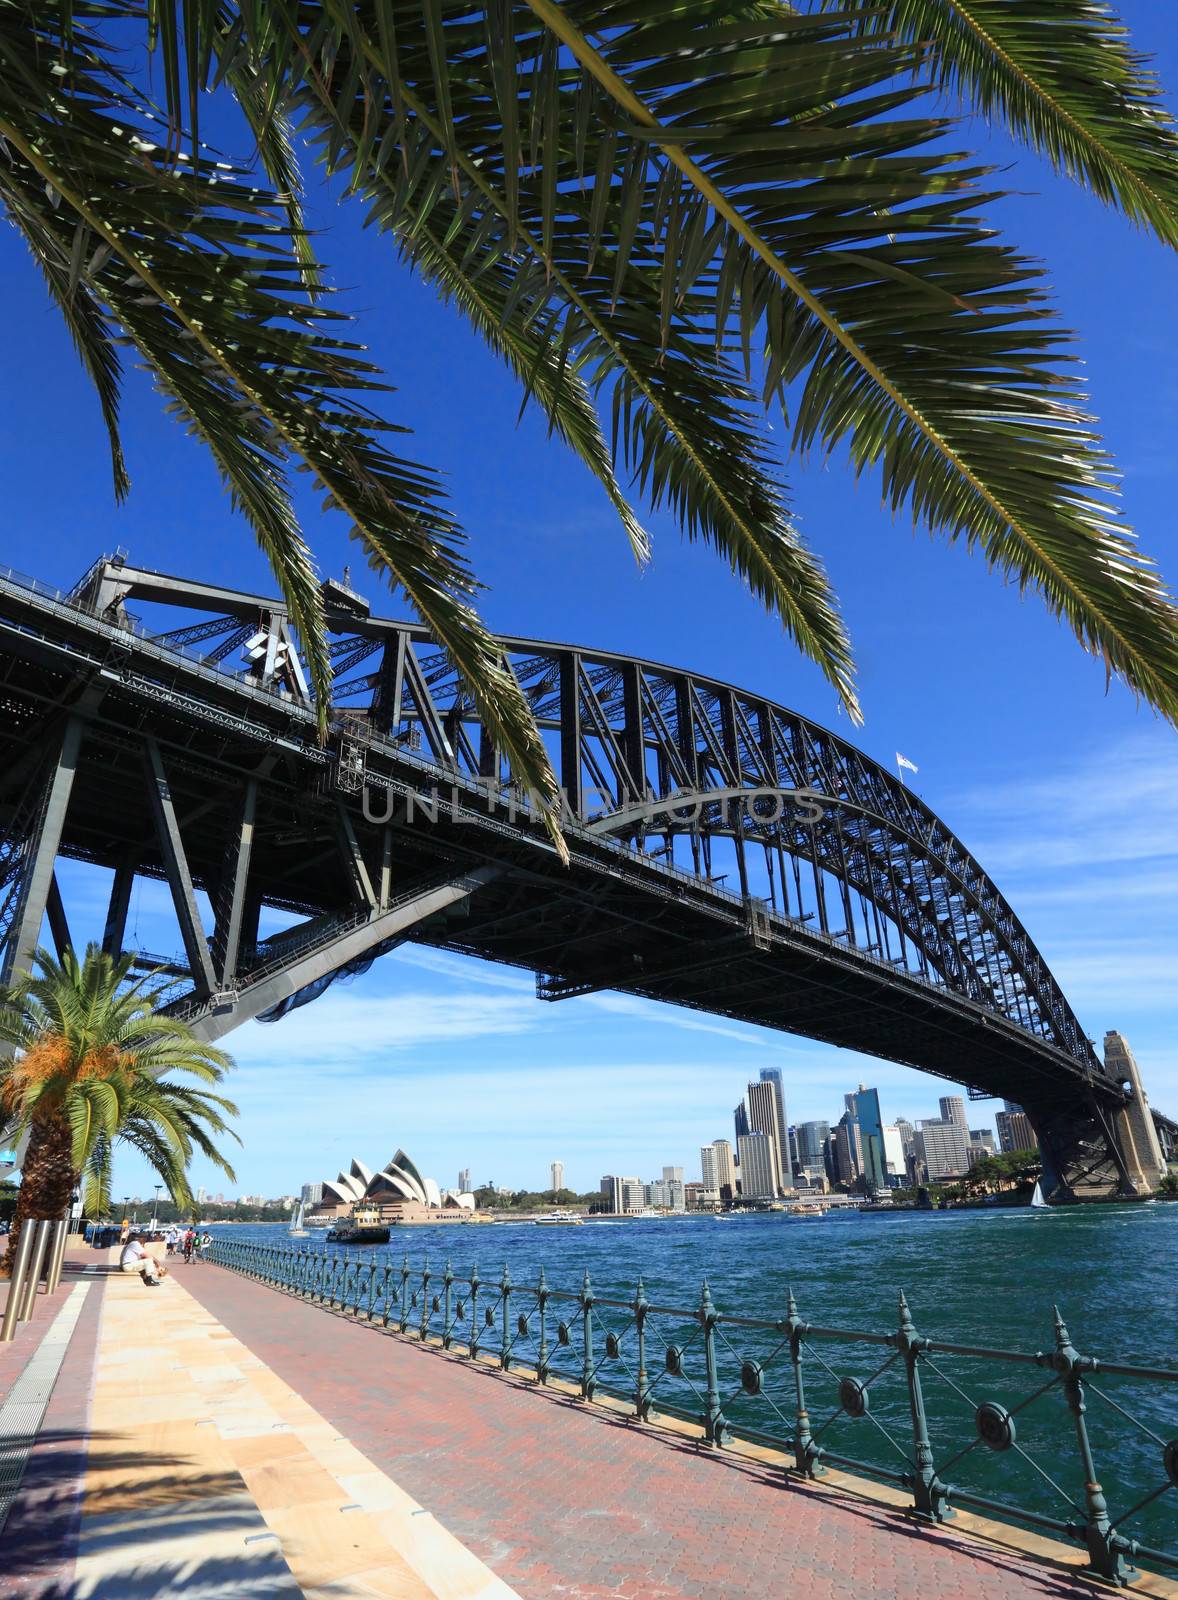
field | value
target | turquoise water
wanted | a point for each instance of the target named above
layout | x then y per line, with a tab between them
971	1277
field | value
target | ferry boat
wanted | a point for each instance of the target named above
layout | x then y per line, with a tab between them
362	1227
559	1219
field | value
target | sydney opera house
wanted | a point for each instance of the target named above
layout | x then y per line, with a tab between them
397	1193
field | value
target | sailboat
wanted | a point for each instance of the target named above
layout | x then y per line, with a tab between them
1037	1199
296	1230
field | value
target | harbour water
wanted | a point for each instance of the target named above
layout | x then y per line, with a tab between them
972	1277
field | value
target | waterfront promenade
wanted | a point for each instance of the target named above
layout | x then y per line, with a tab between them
214	1438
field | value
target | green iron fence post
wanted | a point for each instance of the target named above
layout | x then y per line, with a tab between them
385	1301
929	1493
448	1283
505	1307
641	1385
713	1416
1106	1547
806	1452
474	1312
542	1307
404	1323
586	1299
425	1277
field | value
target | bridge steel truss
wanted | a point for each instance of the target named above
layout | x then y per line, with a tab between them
727	853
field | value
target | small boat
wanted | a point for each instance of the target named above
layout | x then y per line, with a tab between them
1037	1199
296	1229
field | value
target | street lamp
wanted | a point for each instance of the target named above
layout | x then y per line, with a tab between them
155	1208
126	1203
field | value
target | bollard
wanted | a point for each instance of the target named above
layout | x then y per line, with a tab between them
57	1254
806	1452
16	1284
44	1229
641	1384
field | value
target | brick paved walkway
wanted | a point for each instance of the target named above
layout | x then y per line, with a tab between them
565	1500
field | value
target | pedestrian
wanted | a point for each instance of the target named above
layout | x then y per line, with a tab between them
189	1244
135	1257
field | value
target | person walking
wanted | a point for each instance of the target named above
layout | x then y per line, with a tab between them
189	1244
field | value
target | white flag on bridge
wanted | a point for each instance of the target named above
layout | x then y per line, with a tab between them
902	762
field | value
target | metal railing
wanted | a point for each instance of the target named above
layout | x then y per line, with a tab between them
757	1379
40	1252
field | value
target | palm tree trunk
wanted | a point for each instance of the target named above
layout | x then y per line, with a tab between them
47	1178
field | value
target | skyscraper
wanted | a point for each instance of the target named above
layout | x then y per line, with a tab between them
556	1173
943	1147
740	1119
725	1169
464	1181
953	1110
763	1118
773	1075
811	1137
863	1107
758	1169
707	1172
1014	1129
847	1149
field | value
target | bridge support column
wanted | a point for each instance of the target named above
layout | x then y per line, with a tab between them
1134	1125
39	853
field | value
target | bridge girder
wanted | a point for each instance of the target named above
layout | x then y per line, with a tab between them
854	915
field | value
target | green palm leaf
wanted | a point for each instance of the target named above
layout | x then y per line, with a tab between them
1063	77
195	268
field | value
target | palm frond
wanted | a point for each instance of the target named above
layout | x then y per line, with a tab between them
1063	77
198	273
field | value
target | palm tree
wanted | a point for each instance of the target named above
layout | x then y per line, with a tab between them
680	215
86	1062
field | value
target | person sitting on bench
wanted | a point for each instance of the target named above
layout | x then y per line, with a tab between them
135	1257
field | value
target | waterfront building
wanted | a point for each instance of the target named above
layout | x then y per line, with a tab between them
863	1108
633	1195
942	1149
1014	1129
1136	1131
611	1193
311	1194
725	1168
397	1193
709	1183
759	1166
763	1118
556	1173
694	1198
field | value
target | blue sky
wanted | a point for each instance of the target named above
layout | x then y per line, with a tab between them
1068	794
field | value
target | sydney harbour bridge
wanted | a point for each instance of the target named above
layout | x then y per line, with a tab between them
725	853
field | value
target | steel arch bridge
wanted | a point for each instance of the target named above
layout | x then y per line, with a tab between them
726	853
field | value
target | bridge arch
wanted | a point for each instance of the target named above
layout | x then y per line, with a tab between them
869	925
